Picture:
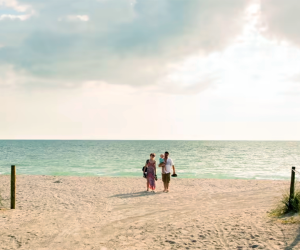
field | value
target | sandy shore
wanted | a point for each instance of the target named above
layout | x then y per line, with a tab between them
116	213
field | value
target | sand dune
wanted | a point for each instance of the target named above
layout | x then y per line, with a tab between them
116	213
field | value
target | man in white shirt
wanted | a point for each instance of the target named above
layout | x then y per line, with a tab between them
166	171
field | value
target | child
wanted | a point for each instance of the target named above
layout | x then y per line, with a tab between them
162	160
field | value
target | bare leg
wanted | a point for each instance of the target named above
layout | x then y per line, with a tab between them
147	185
162	179
167	186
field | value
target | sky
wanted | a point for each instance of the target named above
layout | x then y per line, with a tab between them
150	69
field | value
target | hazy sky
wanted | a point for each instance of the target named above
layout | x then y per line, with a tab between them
150	69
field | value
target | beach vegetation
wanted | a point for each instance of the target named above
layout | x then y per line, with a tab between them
290	220
287	207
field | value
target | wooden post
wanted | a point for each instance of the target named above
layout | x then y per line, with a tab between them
13	187
292	188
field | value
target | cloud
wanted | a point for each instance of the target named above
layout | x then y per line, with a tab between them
11	9
14	5
12	17
83	18
293	89
184	88
295	78
281	20
116	41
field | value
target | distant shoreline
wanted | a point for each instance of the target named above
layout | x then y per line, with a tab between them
136	177
148	140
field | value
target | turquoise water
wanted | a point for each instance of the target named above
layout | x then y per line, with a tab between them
193	159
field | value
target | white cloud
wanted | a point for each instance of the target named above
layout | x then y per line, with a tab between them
21	12
12	17
228	80
15	5
295	78
281	20
8	78
123	43
83	18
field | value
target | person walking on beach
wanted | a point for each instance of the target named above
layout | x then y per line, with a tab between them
151	172
166	171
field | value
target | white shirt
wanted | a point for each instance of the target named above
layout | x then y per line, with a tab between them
168	166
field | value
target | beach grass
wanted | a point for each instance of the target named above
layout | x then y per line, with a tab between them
285	207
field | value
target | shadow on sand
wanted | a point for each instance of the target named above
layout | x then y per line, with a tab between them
295	242
133	195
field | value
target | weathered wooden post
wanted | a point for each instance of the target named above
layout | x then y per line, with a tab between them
292	188
13	187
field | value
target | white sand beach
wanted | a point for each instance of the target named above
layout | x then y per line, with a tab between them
116	213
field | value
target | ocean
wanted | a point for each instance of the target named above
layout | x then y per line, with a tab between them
192	159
